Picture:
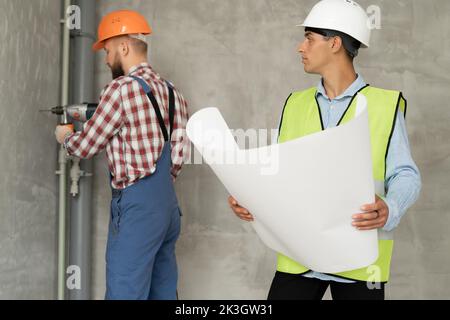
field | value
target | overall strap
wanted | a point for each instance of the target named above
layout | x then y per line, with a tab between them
153	101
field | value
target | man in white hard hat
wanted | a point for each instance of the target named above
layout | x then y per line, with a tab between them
335	30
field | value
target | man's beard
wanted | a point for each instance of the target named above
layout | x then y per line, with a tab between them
116	68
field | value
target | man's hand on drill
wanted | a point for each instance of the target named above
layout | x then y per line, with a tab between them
62	132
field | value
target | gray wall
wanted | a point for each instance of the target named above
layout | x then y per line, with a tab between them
240	56
29	55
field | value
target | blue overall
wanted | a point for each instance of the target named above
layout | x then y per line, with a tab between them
144	227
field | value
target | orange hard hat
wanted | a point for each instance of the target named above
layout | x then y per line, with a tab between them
119	23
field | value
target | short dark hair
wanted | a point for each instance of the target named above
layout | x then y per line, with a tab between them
350	44
139	45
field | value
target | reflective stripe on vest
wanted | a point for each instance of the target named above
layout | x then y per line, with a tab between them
301	117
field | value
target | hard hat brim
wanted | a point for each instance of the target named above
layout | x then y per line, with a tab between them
364	46
99	45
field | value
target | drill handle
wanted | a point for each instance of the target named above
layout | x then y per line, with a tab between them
90	110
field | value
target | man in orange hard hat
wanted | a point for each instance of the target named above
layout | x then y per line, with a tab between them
140	121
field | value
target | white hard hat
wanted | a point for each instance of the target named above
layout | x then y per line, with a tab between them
345	16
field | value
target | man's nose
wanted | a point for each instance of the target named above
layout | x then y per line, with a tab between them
301	47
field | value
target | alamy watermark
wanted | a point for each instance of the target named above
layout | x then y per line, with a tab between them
73	281
253	147
73	18
374	279
374	21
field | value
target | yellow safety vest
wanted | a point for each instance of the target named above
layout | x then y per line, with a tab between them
301	117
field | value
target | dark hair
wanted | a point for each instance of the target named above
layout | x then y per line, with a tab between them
351	45
139	45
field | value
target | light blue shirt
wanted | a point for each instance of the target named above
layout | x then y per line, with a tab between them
403	181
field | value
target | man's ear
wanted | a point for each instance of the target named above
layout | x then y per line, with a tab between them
124	48
336	44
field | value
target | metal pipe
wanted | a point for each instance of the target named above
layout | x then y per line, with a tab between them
62	158
83	90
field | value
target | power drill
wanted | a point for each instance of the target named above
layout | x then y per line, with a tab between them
79	112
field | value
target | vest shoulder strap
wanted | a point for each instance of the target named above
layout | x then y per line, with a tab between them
293	102
388	95
303	95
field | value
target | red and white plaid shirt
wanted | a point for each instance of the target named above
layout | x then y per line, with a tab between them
125	123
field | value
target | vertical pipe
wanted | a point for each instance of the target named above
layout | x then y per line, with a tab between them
62	160
82	90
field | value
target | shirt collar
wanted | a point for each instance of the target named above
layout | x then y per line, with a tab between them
136	68
357	85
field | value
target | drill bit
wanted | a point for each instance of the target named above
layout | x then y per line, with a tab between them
56	110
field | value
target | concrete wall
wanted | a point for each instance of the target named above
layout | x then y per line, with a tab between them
29	37
240	56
